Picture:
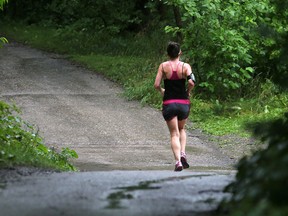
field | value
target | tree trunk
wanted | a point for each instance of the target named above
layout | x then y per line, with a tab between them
178	21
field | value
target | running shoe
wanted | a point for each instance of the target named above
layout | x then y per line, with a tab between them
178	166
184	160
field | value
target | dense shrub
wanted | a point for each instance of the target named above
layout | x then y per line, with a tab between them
20	144
261	186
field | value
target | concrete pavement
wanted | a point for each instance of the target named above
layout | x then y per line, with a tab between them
147	193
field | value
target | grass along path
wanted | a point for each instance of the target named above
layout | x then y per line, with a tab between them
136	74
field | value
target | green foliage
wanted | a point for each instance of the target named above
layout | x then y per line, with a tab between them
230	117
2	2
228	43
214	117
20	144
109	16
278	33
261	186
219	50
3	40
223	41
235	48
74	41
130	64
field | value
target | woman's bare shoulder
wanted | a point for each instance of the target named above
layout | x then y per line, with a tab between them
186	65
187	68
165	63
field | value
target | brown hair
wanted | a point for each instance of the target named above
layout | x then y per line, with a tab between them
173	49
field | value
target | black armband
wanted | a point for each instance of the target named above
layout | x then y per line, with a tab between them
192	77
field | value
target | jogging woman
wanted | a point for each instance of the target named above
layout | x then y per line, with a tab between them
176	103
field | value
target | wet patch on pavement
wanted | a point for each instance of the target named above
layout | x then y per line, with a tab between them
115	198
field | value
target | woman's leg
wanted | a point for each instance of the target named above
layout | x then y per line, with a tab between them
182	132
175	137
183	137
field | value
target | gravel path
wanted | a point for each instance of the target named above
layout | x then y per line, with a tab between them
77	108
120	143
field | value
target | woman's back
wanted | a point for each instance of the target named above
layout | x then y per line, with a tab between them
171	69
174	80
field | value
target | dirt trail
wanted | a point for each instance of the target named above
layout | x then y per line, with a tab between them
74	107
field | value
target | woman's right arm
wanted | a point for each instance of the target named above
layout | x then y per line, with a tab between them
158	79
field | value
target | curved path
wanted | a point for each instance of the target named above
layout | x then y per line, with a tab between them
77	108
74	107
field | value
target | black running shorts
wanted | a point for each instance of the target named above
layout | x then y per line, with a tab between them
171	110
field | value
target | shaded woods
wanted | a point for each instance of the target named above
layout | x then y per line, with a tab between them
230	44
238	51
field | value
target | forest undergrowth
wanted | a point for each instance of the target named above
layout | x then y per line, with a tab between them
238	51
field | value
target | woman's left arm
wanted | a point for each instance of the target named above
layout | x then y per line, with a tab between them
191	83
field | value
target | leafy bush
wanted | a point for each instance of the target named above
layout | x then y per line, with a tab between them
1	3
261	186
20	144
3	40
228	43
